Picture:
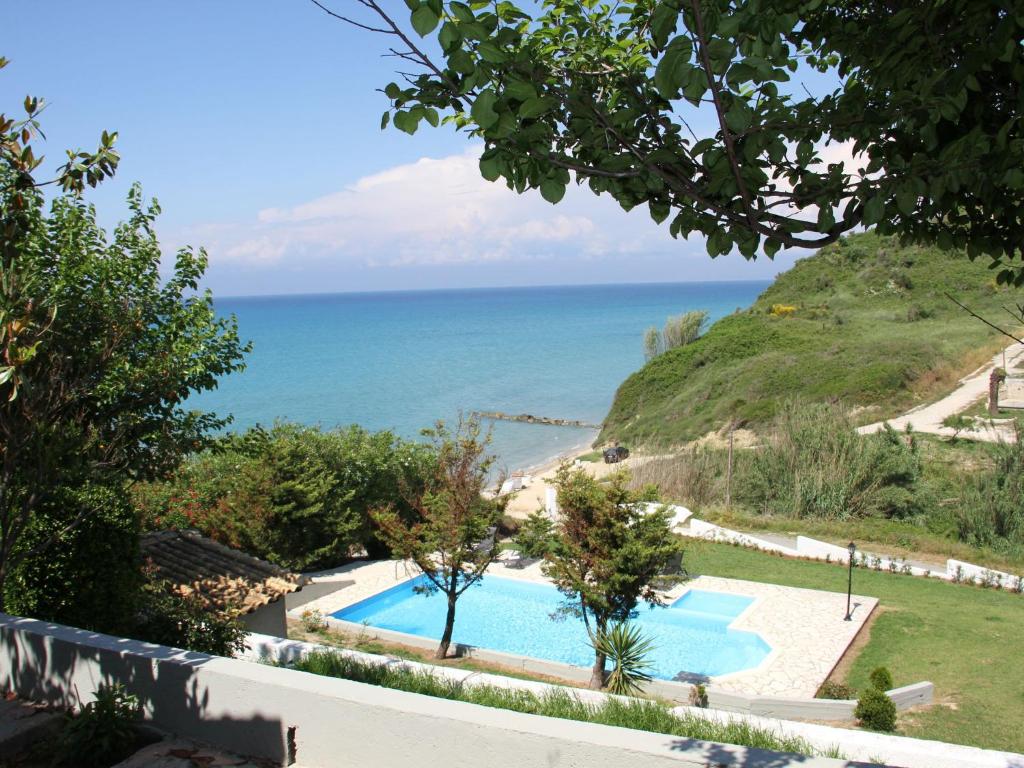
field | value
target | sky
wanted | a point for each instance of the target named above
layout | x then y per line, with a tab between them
256	124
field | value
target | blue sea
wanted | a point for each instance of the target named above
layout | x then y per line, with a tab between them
402	360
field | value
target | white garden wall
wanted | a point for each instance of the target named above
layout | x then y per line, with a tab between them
280	715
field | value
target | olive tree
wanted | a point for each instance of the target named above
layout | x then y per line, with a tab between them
927	95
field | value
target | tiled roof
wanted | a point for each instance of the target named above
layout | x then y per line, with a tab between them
222	577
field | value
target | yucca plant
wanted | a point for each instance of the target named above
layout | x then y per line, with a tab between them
627	649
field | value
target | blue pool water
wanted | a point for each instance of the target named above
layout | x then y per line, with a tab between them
692	635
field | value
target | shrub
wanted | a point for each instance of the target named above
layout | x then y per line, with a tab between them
297	496
830	689
62	583
627	649
876	711
103	733
313	620
782	310
683	329
881	679
166	618
990	511
815	465
536	536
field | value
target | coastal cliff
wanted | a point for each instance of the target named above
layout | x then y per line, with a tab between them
865	321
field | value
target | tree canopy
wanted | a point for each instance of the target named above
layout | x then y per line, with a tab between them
98	351
927	96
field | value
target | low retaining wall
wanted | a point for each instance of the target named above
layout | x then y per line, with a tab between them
285	716
668	690
958	570
855	744
806	547
705	530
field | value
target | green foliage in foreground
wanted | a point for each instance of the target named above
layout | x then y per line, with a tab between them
298	496
558	702
872	328
956	636
103	733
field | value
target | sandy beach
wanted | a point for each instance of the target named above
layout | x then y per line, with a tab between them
531	497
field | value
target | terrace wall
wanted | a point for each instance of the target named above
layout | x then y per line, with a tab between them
284	716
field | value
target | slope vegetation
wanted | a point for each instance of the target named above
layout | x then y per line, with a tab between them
864	321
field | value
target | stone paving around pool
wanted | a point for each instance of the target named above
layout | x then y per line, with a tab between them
804	627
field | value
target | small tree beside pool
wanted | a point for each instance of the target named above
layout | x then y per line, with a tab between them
451	536
608	552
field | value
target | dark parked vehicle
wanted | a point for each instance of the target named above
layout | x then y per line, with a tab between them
615	454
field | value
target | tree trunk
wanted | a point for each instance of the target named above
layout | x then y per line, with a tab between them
993	393
449	626
597	674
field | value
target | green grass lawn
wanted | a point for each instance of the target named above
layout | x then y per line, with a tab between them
966	640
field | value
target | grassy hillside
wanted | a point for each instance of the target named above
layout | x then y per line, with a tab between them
871	328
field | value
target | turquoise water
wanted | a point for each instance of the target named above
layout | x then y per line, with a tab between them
692	636
402	360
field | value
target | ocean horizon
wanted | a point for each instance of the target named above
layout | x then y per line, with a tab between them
402	359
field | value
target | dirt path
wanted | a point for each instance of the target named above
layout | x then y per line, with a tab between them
928	418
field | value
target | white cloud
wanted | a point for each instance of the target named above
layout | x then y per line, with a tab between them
434	212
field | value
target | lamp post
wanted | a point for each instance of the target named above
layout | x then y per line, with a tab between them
852	549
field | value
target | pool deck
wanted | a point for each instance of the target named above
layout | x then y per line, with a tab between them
804	627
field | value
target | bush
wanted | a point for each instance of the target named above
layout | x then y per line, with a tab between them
89	577
166	618
536	536
296	496
830	689
990	511
876	711
627	649
313	620
881	679
815	465
103	733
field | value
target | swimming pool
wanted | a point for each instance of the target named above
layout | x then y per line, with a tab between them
690	636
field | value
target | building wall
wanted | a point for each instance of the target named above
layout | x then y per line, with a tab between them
269	619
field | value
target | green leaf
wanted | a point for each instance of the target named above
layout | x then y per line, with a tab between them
552	190
663	23
874	209
490	52
521	90
534	107
826	219
669	74
462	12
461	62
449	36
424	20
384	120
659	211
483	109
489	168
906	201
